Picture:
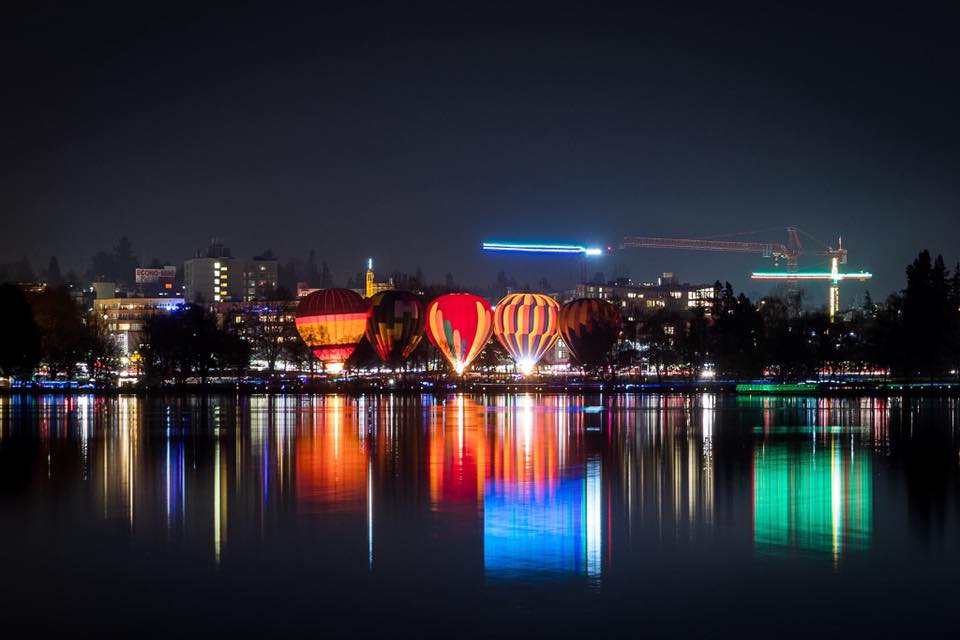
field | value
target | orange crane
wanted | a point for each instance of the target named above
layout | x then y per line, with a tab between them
789	251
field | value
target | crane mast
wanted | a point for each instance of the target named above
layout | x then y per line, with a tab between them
789	252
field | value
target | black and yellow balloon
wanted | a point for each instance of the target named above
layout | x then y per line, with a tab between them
395	325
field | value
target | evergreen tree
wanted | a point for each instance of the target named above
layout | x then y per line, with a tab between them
52	275
23	270
869	307
19	334
313	275
124	262
738	333
326	278
926	317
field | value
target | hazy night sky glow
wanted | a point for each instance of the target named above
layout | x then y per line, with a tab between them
412	134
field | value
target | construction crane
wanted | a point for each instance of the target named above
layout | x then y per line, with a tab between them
789	252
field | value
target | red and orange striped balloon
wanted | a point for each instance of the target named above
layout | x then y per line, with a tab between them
526	324
331	322
459	325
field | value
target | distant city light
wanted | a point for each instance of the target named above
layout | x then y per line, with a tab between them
573	249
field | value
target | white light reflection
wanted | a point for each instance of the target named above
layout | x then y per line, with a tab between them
594	519
369	512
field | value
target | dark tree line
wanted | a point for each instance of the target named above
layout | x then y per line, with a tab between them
49	330
913	334
189	344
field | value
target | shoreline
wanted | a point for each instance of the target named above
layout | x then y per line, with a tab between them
943	388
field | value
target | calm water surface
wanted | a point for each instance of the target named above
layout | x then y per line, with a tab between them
580	516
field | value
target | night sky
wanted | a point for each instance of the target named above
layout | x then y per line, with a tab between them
413	133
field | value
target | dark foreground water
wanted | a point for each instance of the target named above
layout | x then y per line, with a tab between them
479	515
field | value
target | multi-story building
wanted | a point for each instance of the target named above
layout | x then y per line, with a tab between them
638	299
260	278
639	302
213	276
125	319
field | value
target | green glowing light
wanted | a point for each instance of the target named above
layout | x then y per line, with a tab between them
771	387
815	498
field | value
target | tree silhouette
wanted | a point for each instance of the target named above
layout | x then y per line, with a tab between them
19	334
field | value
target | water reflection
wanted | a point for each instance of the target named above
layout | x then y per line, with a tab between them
812	497
510	488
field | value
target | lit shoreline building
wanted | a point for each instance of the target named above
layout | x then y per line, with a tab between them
638	299
125	319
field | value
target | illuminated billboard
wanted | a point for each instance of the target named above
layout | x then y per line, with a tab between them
153	276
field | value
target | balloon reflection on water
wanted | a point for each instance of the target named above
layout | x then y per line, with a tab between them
541	508
526	487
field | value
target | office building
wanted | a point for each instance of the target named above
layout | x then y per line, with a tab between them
260	278
638	299
125	319
213	276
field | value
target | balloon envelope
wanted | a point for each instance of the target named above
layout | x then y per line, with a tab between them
526	325
331	322
459	325
589	327
395	326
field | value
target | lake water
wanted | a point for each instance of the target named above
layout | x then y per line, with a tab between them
565	516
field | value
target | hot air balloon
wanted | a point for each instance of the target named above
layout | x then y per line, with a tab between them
331	322
526	325
395	326
459	325
589	327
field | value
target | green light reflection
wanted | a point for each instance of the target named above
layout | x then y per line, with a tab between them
816	497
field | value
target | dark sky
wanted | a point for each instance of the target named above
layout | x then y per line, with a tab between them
412	133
